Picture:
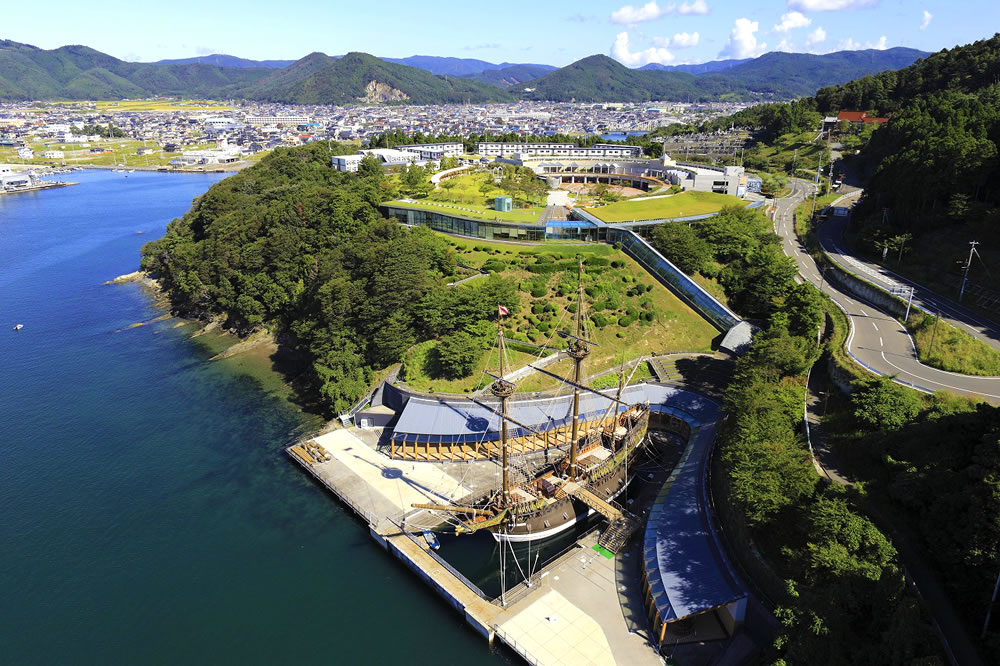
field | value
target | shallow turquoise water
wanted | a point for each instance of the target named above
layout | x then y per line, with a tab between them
147	512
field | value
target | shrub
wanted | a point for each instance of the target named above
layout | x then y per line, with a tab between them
538	291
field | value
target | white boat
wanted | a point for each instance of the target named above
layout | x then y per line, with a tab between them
18	327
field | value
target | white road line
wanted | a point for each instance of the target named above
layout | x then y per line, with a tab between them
880	341
874	325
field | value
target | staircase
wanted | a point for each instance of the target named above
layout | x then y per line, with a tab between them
617	533
621	524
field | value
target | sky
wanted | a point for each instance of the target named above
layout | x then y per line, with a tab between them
523	31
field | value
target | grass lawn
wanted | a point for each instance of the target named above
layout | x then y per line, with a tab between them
803	212
953	350
471	210
788	150
677	205
471	195
612	292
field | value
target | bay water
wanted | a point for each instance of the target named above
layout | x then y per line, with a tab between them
148	513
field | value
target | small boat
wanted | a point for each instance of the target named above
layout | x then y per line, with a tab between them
18	327
431	539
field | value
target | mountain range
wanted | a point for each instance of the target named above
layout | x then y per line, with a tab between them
79	72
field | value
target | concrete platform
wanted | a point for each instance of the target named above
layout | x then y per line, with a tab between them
575	616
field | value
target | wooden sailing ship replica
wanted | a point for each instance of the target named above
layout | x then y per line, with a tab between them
595	471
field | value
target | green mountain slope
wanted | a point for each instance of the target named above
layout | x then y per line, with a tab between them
79	72
511	75
599	78
359	77
771	76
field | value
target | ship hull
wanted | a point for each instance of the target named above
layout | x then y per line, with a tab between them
519	532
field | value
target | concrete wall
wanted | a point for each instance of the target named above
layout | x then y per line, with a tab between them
862	288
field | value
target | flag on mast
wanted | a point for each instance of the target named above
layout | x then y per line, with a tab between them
501	310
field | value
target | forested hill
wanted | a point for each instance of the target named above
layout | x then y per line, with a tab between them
936	162
79	72
776	75
320	79
301	249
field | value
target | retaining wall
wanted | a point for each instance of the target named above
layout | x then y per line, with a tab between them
862	288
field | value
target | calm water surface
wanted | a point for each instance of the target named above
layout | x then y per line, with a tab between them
147	512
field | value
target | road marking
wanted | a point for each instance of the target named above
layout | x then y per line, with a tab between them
880	341
874	325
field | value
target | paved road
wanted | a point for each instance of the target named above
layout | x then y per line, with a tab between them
877	340
831	238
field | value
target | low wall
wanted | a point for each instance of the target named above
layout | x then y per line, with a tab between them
863	289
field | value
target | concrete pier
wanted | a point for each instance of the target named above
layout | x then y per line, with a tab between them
584	608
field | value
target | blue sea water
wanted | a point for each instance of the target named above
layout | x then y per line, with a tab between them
147	512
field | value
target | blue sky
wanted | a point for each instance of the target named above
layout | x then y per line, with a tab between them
557	33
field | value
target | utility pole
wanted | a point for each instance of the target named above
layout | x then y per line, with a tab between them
930	348
968	265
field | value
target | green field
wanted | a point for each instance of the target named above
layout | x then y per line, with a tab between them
147	105
677	205
470	210
612	295
462	196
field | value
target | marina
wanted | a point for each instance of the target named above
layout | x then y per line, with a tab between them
588	605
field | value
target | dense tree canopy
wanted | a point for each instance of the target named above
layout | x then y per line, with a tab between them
298	248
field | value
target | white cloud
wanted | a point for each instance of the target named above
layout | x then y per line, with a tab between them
927	20
696	7
828	5
784	45
631	15
742	40
792	20
850	45
621	52
681	40
817	36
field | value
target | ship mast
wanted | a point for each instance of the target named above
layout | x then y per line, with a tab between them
503	389
577	349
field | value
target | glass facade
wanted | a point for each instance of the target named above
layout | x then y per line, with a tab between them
465	227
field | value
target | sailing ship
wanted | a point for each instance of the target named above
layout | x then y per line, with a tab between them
554	498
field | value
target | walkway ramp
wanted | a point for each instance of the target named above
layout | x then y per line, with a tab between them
603	507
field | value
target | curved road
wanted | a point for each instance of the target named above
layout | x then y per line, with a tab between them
877	340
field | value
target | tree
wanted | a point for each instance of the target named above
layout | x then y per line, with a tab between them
458	354
682	245
370	168
881	404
